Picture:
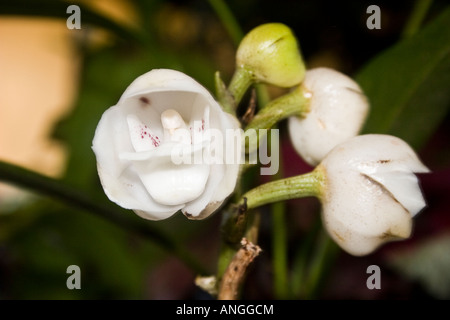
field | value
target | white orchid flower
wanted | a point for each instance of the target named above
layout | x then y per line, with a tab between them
162	113
371	192
337	111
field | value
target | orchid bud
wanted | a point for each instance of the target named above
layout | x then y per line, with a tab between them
137	144
337	111
271	54
370	192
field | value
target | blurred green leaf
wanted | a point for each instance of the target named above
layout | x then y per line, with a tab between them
428	263
408	84
113	264
57	9
228	20
105	209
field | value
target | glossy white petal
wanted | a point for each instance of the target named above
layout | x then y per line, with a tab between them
142	137
224	175
232	154
371	192
404	188
360	215
338	109
196	209
119	180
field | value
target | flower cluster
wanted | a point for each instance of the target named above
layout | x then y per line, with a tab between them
369	192
366	183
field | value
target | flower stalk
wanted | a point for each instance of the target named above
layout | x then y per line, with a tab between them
242	79
295	103
305	185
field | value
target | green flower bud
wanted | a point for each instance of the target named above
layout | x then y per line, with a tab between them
270	52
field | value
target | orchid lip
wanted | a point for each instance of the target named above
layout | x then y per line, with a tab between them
166	150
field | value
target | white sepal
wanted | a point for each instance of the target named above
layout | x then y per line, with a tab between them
370	193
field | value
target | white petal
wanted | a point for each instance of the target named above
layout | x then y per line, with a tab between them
129	192
338	109
199	122
378	152
120	182
112	135
404	187
171	152
208	210
142	138
195	209
360	215
233	151
223	177
163	80
176	186
171	184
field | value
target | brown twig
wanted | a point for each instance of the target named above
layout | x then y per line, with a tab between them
250	112
235	272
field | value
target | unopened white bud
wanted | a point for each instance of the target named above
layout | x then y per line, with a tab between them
337	111
371	192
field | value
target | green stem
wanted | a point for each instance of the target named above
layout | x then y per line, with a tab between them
320	265
73	197
224	97
240	82
279	245
294	103
234	30
252	231
279	240
300	270
305	185
226	16
416	18
236	225
262	95
227	252
233	228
